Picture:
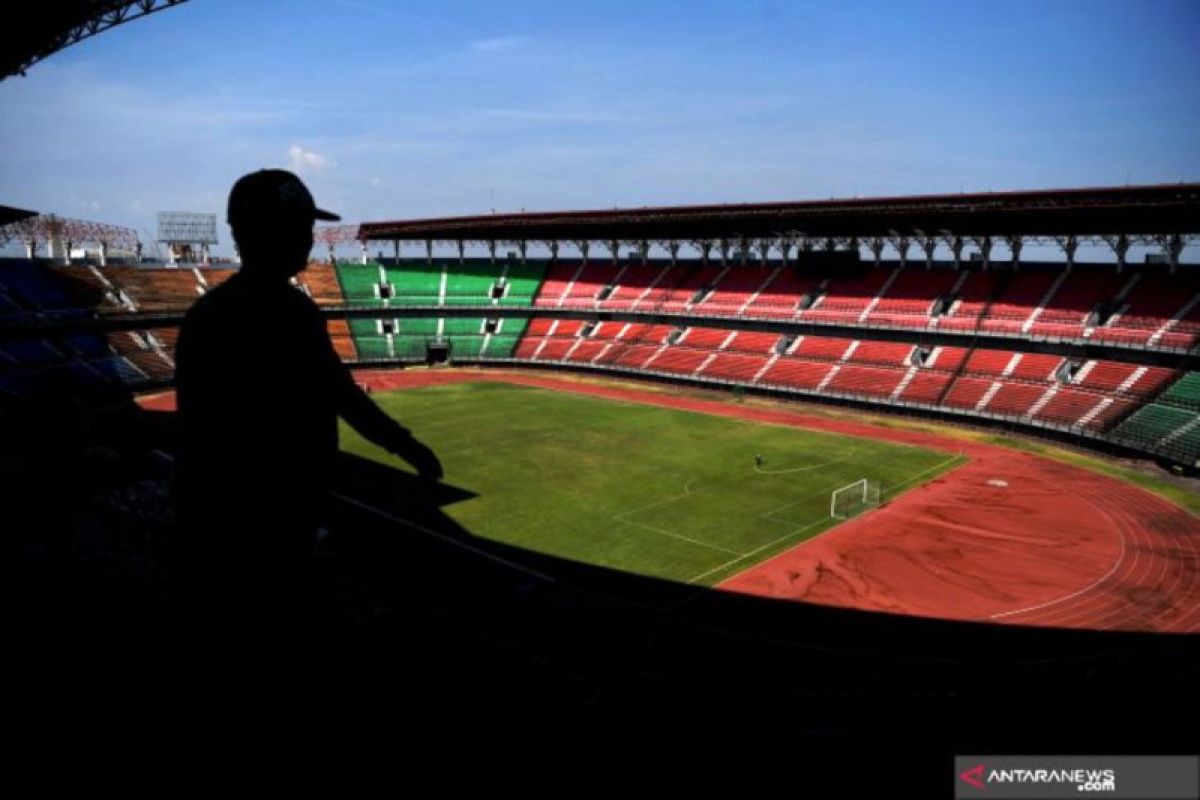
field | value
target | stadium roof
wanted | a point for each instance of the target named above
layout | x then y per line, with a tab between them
1158	209
37	30
9	215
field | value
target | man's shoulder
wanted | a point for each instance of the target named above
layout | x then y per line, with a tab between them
231	296
206	305
301	300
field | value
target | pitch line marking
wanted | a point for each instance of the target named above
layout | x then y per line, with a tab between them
1090	586
813	524
938	465
656	503
770	514
687	490
678	536
759	549
803	469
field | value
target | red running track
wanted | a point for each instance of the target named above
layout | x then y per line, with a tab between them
1008	537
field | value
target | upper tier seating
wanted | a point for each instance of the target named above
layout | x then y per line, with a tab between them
737	288
971	300
1020	296
910	298
1077	297
1146	313
849	299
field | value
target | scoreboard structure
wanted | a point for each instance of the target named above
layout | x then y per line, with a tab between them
187	235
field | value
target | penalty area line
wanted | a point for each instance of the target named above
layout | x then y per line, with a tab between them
687	490
759	549
678	536
785	537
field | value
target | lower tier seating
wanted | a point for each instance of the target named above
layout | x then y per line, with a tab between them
1093	396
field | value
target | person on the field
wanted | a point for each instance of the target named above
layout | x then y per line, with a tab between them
260	389
758	461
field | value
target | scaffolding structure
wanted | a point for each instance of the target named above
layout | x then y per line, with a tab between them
61	235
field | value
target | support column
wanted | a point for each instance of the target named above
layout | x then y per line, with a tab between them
876	245
644	251
364	259
673	250
522	248
396	250
1015	243
1172	245
67	252
955	243
429	252
614	250
31	248
744	247
462	248
1069	245
763	246
928	244
985	249
785	248
1120	246
901	243
584	246
723	249
553	245
491	246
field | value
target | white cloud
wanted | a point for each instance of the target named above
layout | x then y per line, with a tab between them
307	159
499	43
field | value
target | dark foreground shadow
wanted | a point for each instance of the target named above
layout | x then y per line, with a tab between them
434	626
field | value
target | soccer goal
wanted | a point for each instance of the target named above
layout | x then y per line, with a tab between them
854	499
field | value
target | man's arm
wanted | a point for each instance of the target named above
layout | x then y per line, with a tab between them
368	419
354	406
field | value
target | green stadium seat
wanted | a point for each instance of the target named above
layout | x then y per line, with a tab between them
1184	393
417	282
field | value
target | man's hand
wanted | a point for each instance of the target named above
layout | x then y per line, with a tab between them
378	428
423	461
419	456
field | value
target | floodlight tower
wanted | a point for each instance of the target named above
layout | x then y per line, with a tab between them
184	233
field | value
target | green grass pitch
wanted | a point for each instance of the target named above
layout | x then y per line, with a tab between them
657	491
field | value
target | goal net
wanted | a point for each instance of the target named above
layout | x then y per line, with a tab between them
853	499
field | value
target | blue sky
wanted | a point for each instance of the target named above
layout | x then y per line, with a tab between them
399	109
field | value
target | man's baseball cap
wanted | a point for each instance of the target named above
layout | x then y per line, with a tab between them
272	195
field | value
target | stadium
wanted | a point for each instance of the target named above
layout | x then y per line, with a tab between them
865	458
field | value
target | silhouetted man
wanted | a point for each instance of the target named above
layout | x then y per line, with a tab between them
260	388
